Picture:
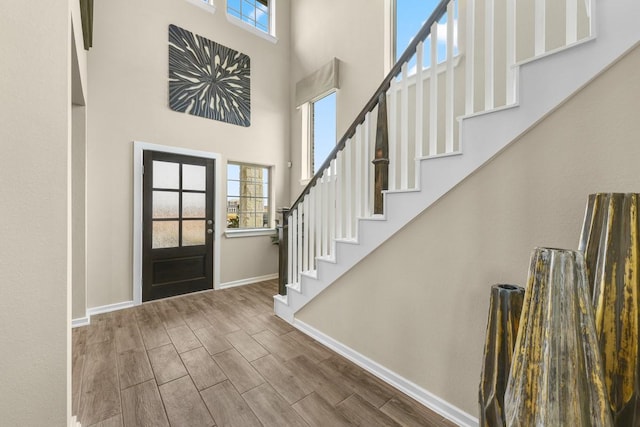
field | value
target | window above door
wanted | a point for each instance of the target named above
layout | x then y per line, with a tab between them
255	16
208	5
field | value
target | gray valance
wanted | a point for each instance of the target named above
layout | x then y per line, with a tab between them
318	83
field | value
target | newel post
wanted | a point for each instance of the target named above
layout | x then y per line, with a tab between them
381	160
283	246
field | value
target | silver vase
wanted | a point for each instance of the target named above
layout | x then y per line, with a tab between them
556	376
502	328
610	241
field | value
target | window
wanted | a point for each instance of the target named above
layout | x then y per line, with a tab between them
410	16
324	129
248	196
256	13
207	5
319	133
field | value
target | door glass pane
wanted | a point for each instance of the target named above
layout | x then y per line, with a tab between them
194	177
193	233
165	234
165	204
194	205
166	175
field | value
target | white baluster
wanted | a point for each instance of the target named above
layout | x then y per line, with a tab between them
348	189
291	253
572	22
489	30
306	234
540	27
419	98
332	202
318	221
392	113
404	128
339	194
367	164
449	113
299	246
433	95
511	52
326	211
469	60
358	172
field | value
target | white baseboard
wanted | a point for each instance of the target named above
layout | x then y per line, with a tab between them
248	281
108	308
431	401
80	321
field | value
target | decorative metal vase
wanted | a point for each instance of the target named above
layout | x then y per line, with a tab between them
556	376
502	327
611	245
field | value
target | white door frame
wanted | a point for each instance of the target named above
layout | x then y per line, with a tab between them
138	148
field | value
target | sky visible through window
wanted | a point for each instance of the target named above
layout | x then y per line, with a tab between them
324	129
253	12
410	16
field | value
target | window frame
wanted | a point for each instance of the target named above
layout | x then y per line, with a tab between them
269	35
257	231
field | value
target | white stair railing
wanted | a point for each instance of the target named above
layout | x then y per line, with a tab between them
422	105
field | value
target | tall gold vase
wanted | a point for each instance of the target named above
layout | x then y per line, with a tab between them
611	246
556	376
505	306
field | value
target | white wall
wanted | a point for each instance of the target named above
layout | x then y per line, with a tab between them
418	304
35	140
353	32
128	90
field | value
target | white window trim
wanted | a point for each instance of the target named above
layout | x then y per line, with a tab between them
208	5
138	148
305	143
390	35
250	232
270	36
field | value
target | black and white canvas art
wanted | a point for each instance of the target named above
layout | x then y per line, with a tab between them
208	79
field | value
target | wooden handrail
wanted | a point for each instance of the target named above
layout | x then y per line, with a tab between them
421	36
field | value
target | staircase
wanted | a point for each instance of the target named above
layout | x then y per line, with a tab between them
428	129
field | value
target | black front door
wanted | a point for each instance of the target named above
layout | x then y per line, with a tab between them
177	224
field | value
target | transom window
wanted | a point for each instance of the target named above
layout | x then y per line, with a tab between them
256	13
248	196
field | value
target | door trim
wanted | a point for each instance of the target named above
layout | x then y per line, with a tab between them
138	148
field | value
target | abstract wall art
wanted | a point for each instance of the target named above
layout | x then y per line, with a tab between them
207	79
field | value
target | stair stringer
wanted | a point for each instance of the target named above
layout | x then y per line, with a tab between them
544	84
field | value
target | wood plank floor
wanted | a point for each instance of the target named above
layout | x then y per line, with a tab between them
221	358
